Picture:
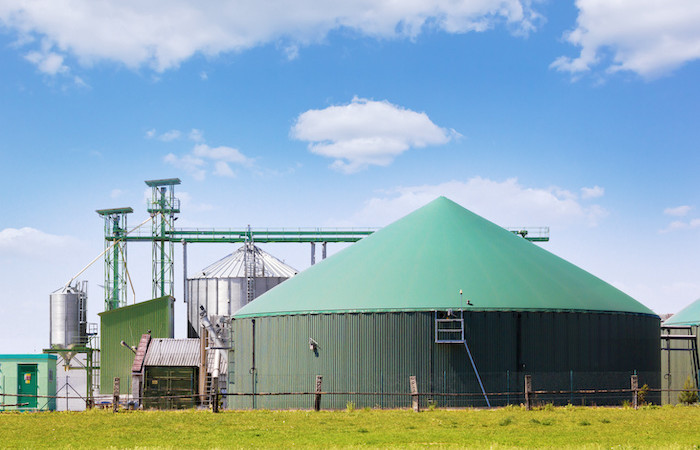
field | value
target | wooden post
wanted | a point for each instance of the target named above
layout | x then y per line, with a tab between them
528	391
414	393
317	397
215	405
635	389
115	395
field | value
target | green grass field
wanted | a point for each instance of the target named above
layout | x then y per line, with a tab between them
565	427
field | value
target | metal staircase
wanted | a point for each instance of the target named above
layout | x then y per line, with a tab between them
449	329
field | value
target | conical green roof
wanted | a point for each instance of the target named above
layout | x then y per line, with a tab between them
422	261
690	315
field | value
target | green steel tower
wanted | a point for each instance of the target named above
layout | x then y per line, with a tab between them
115	256
162	207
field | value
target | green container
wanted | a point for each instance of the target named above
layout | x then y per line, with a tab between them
128	324
28	382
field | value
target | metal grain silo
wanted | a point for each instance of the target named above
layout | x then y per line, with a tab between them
232	282
68	316
404	302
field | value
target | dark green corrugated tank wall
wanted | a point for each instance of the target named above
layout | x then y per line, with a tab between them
677	364
128	324
377	352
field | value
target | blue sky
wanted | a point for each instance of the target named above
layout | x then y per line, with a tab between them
579	116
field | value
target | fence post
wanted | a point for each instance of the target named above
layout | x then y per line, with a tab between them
115	395
215	406
317	396
528	391
635	388
414	393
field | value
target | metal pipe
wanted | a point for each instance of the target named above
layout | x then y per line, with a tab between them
124	344
217	342
184	271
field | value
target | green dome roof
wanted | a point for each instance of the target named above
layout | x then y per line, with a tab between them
422	261
690	315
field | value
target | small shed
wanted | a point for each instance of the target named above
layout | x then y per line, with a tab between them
170	373
28	382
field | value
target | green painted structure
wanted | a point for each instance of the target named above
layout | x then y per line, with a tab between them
365	320
128	324
680	358
28	382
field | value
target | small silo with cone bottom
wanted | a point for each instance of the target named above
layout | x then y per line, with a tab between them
229	284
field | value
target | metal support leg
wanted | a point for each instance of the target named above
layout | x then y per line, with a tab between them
324	250
483	391
313	253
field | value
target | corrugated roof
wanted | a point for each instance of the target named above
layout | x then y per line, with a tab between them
233	266
179	353
690	315
422	261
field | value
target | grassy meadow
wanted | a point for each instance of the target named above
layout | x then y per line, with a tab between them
560	427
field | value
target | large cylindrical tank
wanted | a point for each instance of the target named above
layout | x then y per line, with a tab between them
222	288
68	313
454	300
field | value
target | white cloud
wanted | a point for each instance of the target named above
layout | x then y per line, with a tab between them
594	192
49	63
150	134
32	242
366	132
196	135
222	153
649	37
116	193
678	211
678	225
190	164
198	161
162	34
507	203
203	76
169	136
222	169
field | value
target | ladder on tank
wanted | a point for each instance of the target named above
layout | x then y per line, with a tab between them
449	329
249	267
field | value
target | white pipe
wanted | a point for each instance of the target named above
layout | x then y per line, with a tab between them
105	251
217	341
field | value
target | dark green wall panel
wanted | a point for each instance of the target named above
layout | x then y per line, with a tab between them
377	352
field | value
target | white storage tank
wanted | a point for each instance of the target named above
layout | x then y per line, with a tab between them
230	283
68	316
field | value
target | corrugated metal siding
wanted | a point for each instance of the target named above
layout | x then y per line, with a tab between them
377	352
180	353
677	365
128	324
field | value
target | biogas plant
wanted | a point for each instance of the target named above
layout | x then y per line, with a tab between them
441	307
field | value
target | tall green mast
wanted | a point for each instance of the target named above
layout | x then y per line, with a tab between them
163	207
115	256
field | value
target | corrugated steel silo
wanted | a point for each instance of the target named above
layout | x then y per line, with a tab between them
223	287
68	316
376	309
